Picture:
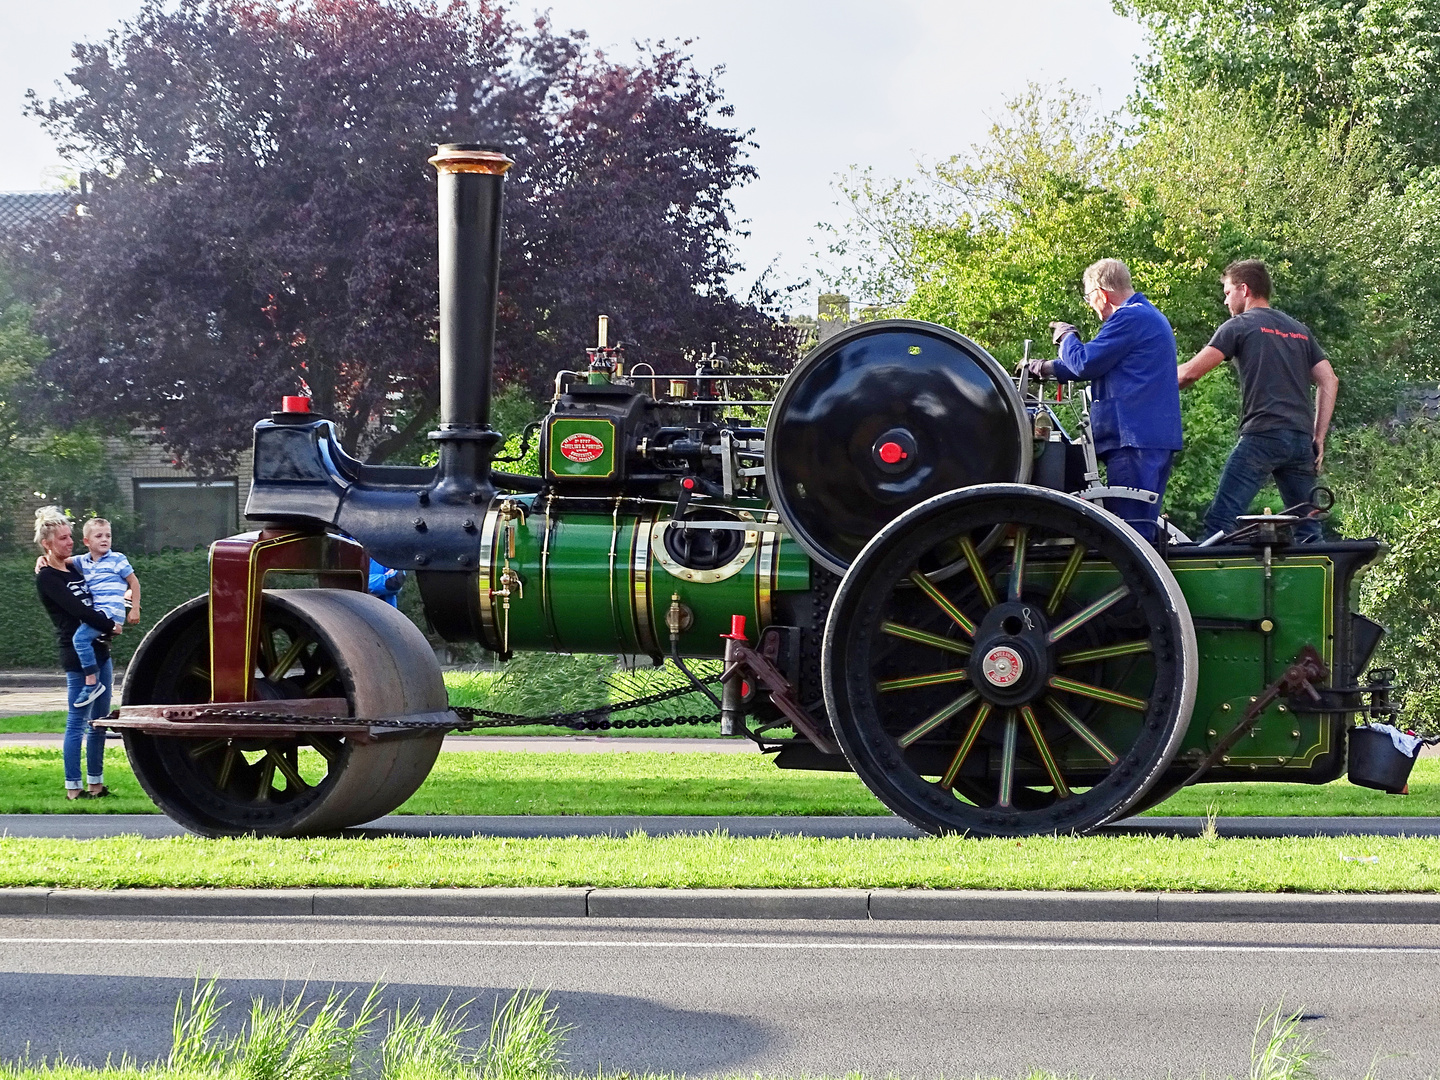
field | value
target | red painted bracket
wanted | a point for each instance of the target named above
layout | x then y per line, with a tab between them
238	565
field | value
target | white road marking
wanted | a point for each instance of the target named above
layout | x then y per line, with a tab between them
816	946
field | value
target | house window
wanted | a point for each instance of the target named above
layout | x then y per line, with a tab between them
186	514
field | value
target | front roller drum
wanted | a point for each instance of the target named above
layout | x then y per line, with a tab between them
312	643
1037	684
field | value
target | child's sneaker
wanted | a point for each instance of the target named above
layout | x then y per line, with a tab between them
90	694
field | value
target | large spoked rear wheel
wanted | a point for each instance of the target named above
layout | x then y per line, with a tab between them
1035	685
312	643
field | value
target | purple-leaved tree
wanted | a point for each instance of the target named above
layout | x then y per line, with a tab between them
262	213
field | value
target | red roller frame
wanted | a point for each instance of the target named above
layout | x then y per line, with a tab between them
238	565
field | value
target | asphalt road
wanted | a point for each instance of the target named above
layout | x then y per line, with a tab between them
709	997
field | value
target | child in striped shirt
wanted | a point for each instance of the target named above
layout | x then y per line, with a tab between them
108	575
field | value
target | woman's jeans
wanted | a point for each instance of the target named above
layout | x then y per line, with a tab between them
1289	456
78	729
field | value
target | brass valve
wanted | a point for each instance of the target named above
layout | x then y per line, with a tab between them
511	584
679	617
510	511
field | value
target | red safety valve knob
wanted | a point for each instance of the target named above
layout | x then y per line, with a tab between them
737	628
294	403
892	452
688	484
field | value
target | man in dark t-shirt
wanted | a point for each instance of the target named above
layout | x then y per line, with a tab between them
1277	359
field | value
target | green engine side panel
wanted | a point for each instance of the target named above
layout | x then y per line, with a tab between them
598	582
1235	664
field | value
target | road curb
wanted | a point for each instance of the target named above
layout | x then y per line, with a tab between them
944	905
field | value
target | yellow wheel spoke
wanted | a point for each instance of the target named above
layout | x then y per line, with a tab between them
287	770
933	721
287	659
921	637
943	602
911	682
987	591
1062	789
1017	563
1080	728
267	646
325	749
1062	586
1098	693
205	747
1105	652
320	680
1080	618
267	777
1007	759
966	744
227	766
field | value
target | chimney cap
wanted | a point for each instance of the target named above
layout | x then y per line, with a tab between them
472	158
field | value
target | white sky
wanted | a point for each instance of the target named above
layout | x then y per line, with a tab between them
825	84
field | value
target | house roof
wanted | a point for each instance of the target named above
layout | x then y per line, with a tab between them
18	208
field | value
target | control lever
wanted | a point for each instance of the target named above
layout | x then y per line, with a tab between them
688	486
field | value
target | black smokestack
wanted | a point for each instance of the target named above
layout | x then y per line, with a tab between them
471	200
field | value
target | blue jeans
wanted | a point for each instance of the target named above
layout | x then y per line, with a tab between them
84	642
1289	456
1148	470
78	729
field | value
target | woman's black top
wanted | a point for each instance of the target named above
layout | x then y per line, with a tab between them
67	600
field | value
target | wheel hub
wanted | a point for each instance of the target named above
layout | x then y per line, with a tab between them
1011	661
1002	666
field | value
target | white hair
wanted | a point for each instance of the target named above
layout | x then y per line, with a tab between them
1112	275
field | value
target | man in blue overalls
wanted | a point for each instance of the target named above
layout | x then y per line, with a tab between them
1130	364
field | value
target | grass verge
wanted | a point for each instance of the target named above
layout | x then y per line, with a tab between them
718	860
44	723
514	783
634	783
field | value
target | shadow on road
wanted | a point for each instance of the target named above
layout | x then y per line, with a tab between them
90	1018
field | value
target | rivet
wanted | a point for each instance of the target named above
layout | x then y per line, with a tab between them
421	560
1211	732
1281	708
1266	626
1226	759
1295	734
1253	700
423	497
1279	760
419	524
1226	706
468	524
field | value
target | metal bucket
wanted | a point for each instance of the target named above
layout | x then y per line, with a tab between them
1375	762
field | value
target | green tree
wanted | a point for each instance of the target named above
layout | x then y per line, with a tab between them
1348	62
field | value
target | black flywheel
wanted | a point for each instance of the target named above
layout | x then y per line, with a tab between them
1041	685
882	417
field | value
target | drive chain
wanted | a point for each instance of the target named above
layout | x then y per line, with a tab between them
595	719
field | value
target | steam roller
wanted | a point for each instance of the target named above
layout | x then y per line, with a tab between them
899	551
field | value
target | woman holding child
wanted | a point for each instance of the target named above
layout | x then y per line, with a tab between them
69	602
